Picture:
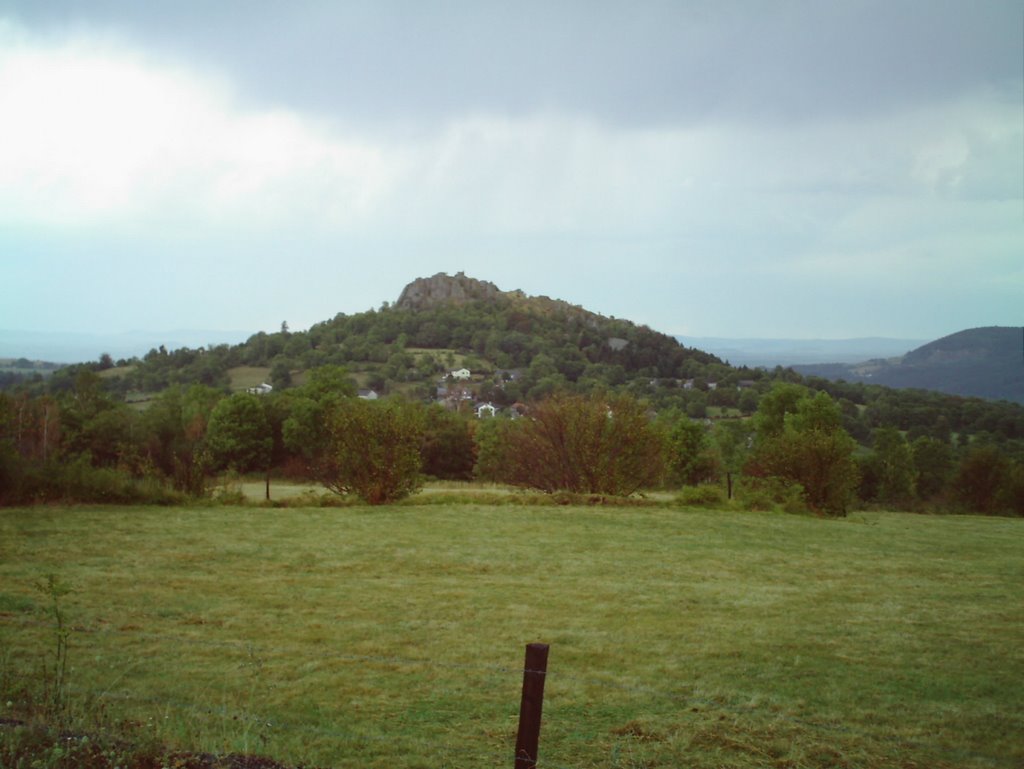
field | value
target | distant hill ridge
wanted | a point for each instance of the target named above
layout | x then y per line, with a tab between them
985	362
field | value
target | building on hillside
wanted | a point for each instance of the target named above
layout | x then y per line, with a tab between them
260	389
368	395
485	410
518	409
457	398
462	374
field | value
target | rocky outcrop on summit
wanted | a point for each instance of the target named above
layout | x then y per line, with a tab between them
442	288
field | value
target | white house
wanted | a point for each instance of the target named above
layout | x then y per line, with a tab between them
486	410
368	395
260	389
462	373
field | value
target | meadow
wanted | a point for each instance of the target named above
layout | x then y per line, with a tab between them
394	636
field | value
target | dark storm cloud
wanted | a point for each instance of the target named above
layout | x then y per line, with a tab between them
622	63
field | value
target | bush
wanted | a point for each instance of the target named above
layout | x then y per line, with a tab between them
771	494
593	444
367	448
705	495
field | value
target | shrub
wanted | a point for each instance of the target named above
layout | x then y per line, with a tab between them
370	449
591	444
705	495
771	494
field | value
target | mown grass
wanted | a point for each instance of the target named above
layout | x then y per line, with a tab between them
283	490
244	377
392	637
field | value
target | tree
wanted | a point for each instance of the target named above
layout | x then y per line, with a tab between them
800	440
588	444
696	404
328	382
895	466
354	446
239	437
980	479
732	439
448	450
281	375
774	406
688	456
174	428
933	464
748	401
489	438
377	448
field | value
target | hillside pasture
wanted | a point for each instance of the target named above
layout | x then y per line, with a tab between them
244	377
118	372
394	636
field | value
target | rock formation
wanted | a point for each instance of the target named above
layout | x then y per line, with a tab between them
442	288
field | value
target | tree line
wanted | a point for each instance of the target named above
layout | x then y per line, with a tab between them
794	450
551	348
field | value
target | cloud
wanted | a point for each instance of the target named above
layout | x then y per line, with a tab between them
651	64
97	132
721	176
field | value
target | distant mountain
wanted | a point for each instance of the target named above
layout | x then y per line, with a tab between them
982	362
77	347
789	352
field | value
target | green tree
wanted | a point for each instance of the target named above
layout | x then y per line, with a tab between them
800	440
895	466
732	440
1012	496
371	449
696	404
980	480
773	408
448	450
11	466
85	426
327	382
377	448
239	437
748	401
688	456
933	465
303	417
174	435
281	375
489	440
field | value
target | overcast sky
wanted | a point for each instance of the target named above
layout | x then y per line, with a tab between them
794	169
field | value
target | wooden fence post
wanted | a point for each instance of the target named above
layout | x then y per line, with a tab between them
534	672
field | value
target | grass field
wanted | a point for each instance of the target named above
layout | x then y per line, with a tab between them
244	377
394	637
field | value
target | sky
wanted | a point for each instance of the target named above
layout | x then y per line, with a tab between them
730	168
